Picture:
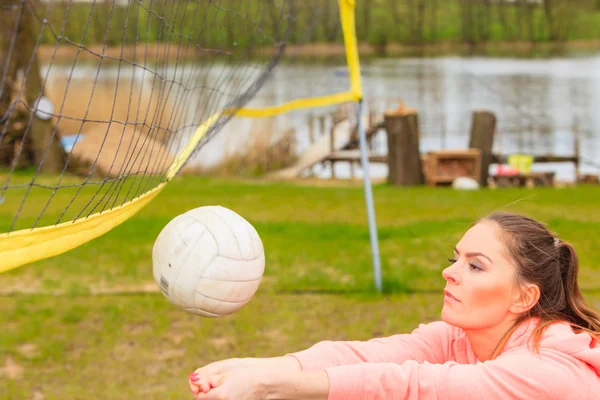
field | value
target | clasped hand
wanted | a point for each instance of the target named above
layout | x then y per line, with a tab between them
228	380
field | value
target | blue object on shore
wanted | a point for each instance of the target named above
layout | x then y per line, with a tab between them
69	141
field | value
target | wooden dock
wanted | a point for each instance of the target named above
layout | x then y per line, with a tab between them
318	152
340	144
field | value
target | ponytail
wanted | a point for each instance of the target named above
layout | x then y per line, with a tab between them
576	311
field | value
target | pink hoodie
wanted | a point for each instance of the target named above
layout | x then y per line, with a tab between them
437	362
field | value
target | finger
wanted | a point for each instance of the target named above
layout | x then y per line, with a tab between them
191	381
205	386
201	385
193	387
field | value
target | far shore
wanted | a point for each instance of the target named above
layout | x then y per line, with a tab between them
156	52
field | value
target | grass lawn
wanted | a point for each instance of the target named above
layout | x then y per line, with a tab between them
92	324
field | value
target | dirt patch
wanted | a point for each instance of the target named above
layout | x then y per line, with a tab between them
125	350
118	151
223	343
84	104
275	335
28	350
178	338
170	354
26	286
12	289
147	287
135	329
11	369
124	124
337	275
38	396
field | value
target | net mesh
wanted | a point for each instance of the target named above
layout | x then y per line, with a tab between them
99	100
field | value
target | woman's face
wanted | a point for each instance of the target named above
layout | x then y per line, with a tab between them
480	283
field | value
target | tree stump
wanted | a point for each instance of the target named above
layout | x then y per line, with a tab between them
404	158
482	138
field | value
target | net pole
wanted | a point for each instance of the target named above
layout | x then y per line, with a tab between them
364	160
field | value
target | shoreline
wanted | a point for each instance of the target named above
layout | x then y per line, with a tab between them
156	52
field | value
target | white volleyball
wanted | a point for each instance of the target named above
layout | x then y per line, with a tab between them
208	261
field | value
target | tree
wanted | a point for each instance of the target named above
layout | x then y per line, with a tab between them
19	27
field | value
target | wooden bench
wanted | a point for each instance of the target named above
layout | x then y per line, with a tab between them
441	168
531	179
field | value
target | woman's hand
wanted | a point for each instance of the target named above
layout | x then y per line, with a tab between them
237	384
199	380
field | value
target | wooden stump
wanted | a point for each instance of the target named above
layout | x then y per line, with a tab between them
404	159
482	138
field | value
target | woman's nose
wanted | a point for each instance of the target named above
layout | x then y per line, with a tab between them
451	273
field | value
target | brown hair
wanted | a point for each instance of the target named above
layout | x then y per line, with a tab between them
551	264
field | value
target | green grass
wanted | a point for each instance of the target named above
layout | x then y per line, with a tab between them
63	339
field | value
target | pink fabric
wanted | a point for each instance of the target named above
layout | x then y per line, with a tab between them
436	361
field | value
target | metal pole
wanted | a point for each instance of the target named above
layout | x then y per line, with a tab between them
364	160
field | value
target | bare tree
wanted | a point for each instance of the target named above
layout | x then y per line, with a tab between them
549	6
20	28
483	16
393	8
508	24
330	20
433	19
367	6
418	10
467	23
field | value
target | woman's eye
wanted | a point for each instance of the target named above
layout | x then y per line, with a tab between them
452	260
475	267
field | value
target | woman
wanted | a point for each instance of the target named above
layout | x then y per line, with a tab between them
514	326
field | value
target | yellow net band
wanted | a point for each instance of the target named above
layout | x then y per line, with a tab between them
312	102
29	245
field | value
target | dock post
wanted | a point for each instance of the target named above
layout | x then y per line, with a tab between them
404	157
482	137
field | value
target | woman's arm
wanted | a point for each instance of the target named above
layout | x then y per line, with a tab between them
267	384
428	343
523	375
283	363
306	385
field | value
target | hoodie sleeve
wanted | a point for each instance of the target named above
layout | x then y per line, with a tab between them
429	342
516	376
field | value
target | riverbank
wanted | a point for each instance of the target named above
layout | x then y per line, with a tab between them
159	52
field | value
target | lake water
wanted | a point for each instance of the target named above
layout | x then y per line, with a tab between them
539	104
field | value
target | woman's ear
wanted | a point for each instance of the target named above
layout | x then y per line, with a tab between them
528	298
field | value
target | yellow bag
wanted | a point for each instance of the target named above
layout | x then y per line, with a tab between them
521	162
